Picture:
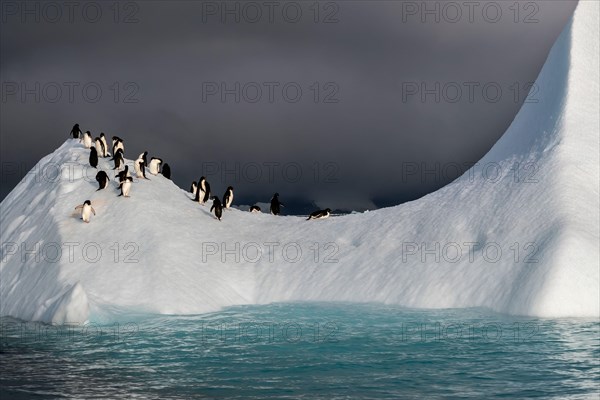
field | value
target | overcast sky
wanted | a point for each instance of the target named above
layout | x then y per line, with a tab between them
321	102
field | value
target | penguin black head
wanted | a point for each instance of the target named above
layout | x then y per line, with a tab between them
202	178
102	134
87	202
276	195
328	210
193	182
93	150
88	132
230	188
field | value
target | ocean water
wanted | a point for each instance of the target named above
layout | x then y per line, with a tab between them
309	350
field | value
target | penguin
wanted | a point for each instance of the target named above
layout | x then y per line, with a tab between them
255	209
87	139
155	165
118	144
194	188
197	195
144	156
217	207
320	214
102	178
123	174
276	204
206	192
125	186
228	198
202	191
86	210
103	139
140	168
166	171
93	157
119	160
75	131
99	146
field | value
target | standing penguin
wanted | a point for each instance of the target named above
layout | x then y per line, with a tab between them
103	139
86	210
166	171
199	196
119	159
123	174
276	204
155	165
140	168
99	146
144	156
194	188
320	214
125	186
93	157
228	198
102	179
203	191
117	143
206	192
87	139
217	207
75	131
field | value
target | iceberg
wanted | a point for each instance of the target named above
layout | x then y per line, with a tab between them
518	233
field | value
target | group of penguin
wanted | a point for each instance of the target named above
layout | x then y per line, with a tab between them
200	190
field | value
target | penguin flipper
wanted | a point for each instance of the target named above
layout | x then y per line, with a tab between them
79	207
93	211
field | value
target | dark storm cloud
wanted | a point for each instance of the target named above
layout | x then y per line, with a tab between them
351	145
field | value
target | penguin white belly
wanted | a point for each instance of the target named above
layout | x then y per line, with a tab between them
105	147
323	215
153	168
87	141
126	187
86	213
136	167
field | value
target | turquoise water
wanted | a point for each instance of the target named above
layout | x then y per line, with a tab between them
305	350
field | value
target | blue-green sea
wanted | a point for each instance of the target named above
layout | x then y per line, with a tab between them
305	350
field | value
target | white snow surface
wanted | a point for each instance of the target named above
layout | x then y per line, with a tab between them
549	211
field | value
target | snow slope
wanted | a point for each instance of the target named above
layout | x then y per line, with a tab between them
549	211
